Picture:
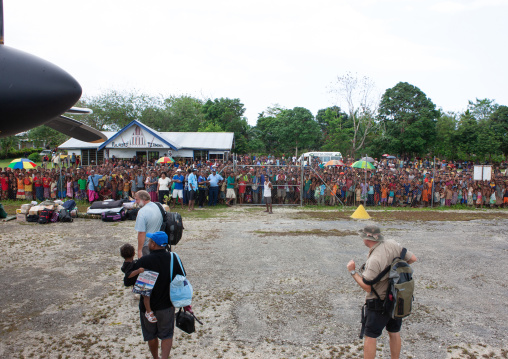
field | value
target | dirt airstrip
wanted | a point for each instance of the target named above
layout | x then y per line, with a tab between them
266	286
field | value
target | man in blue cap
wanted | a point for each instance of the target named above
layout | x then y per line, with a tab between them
158	260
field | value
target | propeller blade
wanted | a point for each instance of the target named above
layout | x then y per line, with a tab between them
1	22
78	110
76	129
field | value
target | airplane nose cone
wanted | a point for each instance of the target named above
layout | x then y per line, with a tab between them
32	91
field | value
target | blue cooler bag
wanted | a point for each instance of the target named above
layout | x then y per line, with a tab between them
180	289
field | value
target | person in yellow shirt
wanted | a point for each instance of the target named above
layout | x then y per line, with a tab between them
333	193
28	183
20	193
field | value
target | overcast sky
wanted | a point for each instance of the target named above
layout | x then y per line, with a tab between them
270	52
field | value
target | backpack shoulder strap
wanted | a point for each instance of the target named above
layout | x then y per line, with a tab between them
180	263
403	253
378	277
163	212
171	269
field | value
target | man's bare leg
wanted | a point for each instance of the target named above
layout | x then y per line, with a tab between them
154	347
395	344
166	345
369	348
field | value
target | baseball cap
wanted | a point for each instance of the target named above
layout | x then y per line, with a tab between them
160	238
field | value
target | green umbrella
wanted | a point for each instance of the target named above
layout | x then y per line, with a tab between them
363	165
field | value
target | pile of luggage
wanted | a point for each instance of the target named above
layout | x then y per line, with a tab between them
115	211
48	212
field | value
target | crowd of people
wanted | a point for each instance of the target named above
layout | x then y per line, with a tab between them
393	182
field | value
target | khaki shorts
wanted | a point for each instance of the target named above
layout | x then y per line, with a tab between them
230	194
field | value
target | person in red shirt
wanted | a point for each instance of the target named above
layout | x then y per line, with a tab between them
39	190
46	185
4	181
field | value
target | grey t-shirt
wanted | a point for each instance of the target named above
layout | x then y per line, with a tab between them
149	219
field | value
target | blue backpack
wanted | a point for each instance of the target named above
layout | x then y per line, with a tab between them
180	289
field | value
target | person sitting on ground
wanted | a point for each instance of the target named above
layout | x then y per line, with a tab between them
127	252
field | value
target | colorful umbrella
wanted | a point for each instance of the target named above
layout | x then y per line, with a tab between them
21	163
165	160
334	163
386	154
363	165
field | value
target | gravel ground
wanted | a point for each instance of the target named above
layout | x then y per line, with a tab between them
266	286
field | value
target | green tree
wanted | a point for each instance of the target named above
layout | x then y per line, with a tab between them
112	110
466	135
481	109
174	114
499	122
337	130
227	114
47	136
446	126
267	130
296	129
409	119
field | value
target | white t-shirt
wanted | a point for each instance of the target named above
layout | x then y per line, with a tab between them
164	184
268	191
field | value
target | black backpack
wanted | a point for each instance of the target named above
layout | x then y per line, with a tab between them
132	214
32	218
172	224
65	215
45	216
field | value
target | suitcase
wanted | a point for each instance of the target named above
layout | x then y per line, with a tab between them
113	216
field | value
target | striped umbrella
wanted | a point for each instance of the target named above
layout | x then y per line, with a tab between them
165	160
21	163
363	165
334	163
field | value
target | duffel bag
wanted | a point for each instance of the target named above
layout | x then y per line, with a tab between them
113	216
45	216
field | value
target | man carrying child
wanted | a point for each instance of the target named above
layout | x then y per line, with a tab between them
158	260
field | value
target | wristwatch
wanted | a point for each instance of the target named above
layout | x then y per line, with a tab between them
353	272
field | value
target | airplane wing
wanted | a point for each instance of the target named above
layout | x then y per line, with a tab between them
76	129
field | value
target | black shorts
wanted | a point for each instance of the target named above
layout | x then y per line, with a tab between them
164	327
376	321
192	195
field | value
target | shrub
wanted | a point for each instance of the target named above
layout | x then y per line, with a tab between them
34	157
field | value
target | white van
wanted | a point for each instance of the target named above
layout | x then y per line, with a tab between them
324	157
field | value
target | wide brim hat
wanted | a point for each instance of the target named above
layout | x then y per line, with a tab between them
371	233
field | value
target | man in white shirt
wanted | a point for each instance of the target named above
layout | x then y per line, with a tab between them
268	194
163	187
149	220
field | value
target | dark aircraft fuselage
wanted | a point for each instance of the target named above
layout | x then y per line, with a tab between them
32	91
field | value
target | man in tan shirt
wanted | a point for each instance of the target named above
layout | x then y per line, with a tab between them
381	254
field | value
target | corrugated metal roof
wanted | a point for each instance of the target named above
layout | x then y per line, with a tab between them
181	140
201	140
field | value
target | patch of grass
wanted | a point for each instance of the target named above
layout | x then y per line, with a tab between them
312	232
403	215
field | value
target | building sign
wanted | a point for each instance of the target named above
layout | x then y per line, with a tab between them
134	137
